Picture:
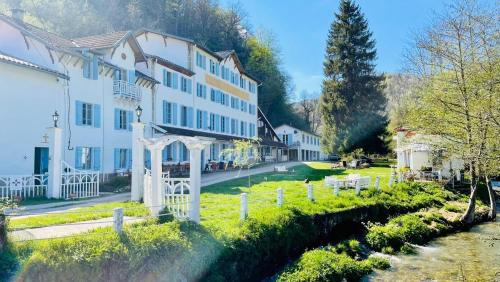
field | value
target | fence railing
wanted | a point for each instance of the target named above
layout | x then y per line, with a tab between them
124	89
77	183
177	196
23	186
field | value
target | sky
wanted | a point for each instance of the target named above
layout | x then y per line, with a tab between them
301	28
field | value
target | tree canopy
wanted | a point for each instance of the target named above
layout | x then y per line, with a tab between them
352	103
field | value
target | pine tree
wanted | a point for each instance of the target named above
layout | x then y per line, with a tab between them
352	102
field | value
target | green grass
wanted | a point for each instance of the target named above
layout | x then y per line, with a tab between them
223	247
78	214
220	203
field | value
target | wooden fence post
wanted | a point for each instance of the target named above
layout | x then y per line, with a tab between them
244	206
310	192
279	197
377	182
336	188
118	220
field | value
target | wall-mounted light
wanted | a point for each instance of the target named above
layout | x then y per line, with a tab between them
138	112
55	117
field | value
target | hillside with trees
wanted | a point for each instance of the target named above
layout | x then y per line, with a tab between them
205	21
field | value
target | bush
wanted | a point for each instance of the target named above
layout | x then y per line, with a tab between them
407	228
379	262
116	184
452	207
324	265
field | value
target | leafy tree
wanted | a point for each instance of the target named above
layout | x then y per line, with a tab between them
244	153
352	102
458	64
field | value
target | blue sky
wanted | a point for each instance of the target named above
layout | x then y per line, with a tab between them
301	29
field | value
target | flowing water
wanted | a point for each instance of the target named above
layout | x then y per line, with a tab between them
466	256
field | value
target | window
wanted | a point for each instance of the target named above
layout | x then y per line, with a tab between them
244	106
88	114
252	109
169	113
186	116
234	127
199	119
185	85
223	124
88	158
243	129
123	119
91	68
284	138
252	87
123	159
201	90
212	122
201	60
212	94
170	79
243	82
252	130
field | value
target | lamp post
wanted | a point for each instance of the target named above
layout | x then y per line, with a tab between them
138	112
55	117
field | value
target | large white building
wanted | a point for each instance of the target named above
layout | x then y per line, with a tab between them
95	84
302	145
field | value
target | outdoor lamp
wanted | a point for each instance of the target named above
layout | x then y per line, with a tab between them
55	117
138	112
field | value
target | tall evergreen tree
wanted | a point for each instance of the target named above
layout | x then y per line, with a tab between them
352	103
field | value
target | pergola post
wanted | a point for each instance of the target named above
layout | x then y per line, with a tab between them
55	158
195	182
137	184
157	195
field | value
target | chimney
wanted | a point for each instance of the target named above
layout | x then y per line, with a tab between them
18	14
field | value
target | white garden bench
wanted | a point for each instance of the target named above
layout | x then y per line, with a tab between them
280	168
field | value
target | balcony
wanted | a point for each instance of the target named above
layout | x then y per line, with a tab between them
125	90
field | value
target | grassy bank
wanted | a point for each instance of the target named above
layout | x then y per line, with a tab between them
222	247
350	260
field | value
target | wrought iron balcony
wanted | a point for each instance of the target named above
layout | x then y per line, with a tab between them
125	90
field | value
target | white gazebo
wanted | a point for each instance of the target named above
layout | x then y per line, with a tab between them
180	195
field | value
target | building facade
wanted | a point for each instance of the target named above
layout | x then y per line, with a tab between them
302	145
95	84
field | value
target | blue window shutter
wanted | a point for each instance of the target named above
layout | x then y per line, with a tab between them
174	151
205	120
175	80
227	100
86	69
165	77
189	85
117	158
198	117
290	139
78	157
164	112
117	119
131	76
79	113
97	115
217	123
129	159
96	158
190	117
130	119
181	151
174	113
164	154
95	68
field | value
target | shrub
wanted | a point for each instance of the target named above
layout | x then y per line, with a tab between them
324	265
116	184
406	228
351	248
379	262
452	207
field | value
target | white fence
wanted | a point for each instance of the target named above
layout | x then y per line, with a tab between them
77	183
177	195
23	186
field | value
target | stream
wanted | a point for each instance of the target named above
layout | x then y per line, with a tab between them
465	256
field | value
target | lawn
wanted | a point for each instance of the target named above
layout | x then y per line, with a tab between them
222	247
78	214
220	203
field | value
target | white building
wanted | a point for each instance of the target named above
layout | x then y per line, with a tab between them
95	83
417	153
302	145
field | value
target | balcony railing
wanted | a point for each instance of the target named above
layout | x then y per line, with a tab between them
126	90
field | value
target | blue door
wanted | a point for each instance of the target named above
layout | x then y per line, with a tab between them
41	165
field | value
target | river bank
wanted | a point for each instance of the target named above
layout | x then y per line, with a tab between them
473	255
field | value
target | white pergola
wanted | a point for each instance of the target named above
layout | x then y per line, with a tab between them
156	200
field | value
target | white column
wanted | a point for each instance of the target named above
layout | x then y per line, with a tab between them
137	185
310	192
55	158
156	202
195	183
